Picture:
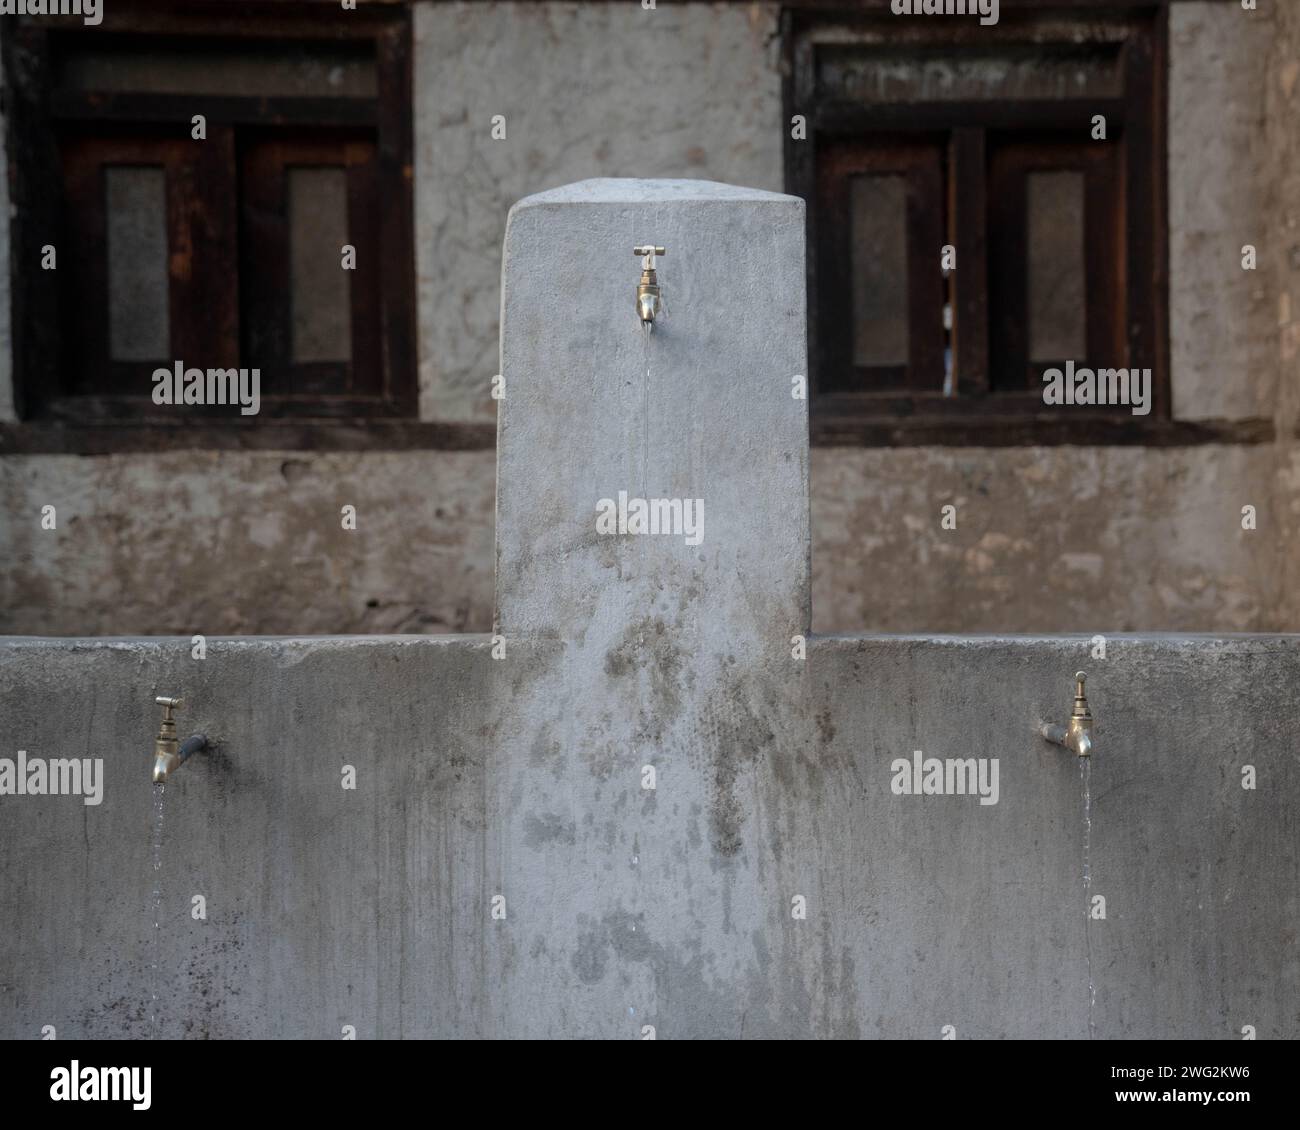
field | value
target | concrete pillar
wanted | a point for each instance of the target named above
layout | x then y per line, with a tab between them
648	689
700	409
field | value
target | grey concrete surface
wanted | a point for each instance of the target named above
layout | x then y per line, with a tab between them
500	868
700	409
372	907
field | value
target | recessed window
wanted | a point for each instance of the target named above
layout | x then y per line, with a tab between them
983	207
216	199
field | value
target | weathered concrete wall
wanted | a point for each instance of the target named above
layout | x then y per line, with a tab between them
315	894
561	74
273	558
597	407
671	908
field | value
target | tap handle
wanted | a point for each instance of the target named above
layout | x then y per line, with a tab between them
1080	699
648	252
168	705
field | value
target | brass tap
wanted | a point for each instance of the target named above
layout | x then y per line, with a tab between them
1077	736
648	300
165	745
168	753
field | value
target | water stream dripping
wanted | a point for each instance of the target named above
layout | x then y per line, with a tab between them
645	415
1085	775
156	943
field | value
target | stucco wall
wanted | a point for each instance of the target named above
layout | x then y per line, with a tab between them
1047	539
240	542
1219	315
1161	546
603	90
1282	173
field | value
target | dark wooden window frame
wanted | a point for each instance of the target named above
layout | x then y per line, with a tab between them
971	414
35	109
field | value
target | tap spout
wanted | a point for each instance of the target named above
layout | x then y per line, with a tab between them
1077	741
166	762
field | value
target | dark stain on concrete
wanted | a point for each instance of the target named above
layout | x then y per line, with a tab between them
736	736
546	752
690	1002
825	727
648	644
548	828
592	956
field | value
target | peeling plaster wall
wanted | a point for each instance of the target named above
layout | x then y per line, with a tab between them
1161	546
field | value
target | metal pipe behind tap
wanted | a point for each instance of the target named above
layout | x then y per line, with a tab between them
1054	733
195	743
